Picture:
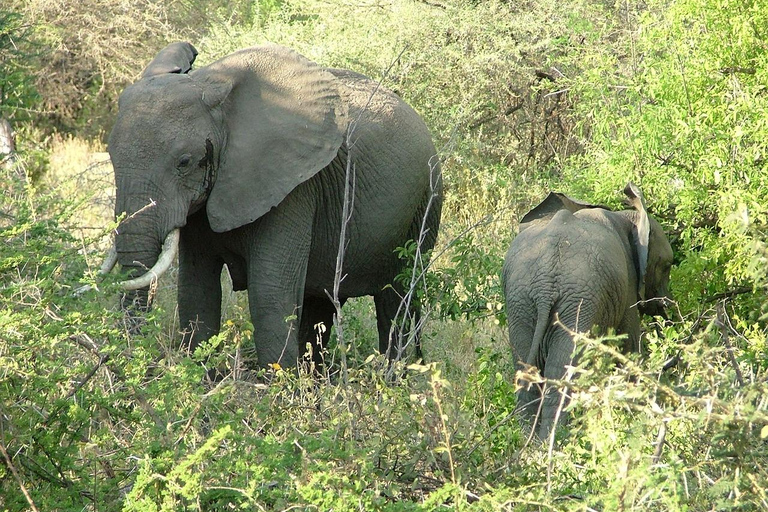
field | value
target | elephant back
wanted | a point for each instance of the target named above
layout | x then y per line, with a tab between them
371	104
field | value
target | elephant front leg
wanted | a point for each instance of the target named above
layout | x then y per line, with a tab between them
275	298
199	292
277	269
630	325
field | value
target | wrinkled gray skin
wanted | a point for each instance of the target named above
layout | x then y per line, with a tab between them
248	157
583	266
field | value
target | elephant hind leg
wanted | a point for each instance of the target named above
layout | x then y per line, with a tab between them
393	317
521	335
561	355
312	335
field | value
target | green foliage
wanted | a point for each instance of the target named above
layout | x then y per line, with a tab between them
16	89
683	116
470	287
640	412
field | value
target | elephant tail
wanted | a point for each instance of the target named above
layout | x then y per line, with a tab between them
543	321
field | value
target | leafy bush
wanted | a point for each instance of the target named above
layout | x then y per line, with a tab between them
674	109
88	51
16	51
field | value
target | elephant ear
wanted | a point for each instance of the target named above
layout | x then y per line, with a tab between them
552	204
284	120
641	233
174	58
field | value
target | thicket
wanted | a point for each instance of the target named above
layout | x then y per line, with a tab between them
578	96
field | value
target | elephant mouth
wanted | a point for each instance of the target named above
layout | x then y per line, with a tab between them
196	204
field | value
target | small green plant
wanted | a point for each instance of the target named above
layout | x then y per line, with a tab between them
470	286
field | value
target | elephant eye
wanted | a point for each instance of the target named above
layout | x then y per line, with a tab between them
184	161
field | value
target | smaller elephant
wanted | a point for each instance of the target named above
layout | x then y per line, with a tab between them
574	267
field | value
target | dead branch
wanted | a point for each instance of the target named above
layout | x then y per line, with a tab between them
732	70
660	440
741	290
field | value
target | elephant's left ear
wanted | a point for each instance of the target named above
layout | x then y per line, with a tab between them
174	58
640	234
284	121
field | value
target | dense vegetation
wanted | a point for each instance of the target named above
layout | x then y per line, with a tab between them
580	96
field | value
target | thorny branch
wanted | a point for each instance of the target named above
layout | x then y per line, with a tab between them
86	342
418	270
152	203
346	216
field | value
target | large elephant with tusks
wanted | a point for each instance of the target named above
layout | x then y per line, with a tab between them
265	162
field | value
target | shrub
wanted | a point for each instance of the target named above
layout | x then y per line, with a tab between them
669	108
16	51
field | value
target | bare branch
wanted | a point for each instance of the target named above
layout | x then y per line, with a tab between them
338	277
660	440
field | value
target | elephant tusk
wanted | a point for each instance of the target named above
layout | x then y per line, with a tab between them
168	252
109	261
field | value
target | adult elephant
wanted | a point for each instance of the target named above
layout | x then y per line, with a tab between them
244	163
574	266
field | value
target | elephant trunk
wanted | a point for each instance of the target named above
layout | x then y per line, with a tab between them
147	238
163	263
137	299
146	235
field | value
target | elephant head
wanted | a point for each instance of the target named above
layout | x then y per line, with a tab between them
187	139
